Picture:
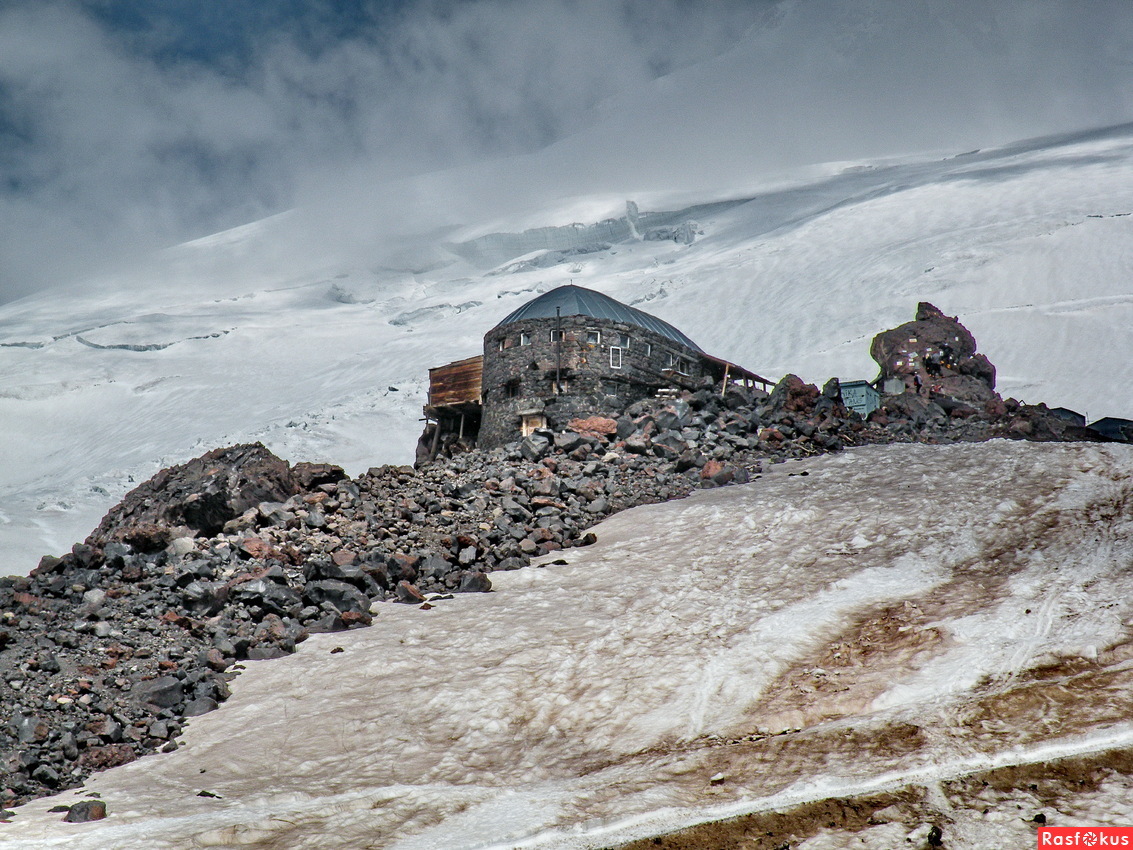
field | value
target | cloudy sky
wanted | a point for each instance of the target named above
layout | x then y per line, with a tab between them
132	124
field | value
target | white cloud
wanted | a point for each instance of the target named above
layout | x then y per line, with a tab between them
115	152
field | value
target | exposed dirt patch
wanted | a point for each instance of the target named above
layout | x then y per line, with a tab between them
1052	790
850	671
785	829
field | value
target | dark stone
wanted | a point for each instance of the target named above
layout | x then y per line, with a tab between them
46	775
48	564
203	705
272	597
475	582
204	598
568	441
401	567
163	692
312	475
343	596
406	592
86	811
201	495
535	446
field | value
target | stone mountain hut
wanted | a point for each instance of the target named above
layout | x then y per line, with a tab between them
570	353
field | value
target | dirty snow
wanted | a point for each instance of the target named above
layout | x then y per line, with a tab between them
899	620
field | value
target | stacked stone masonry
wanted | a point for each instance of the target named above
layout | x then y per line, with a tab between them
600	366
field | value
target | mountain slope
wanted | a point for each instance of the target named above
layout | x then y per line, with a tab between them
233	338
882	627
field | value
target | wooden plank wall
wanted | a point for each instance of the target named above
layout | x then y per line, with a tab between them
456	382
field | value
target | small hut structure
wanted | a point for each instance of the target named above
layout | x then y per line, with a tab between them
572	352
861	396
1114	428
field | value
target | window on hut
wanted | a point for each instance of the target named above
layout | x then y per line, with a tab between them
525	339
678	363
593	337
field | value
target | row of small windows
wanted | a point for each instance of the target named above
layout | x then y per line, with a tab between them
673	361
592	338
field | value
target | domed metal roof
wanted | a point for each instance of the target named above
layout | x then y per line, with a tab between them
574	300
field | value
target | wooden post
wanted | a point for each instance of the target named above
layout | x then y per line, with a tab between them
558	350
724	386
436	440
461	437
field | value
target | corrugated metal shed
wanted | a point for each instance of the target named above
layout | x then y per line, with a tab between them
456	383
574	300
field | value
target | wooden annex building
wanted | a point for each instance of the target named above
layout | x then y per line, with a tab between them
569	353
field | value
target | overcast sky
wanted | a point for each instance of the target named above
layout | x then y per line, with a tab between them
132	124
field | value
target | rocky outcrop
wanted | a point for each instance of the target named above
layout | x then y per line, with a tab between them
199	497
936	353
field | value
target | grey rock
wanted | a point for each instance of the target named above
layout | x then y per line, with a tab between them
272	597
535	446
344	597
475	582
164	692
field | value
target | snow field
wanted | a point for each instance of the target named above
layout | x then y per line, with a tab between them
750	648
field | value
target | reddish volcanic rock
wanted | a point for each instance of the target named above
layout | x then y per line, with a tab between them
935	354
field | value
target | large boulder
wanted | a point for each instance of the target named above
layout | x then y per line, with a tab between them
937	353
197	498
791	395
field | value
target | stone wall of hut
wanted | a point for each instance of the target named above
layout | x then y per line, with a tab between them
604	365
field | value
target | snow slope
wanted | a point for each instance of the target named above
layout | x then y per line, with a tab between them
262	333
889	621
